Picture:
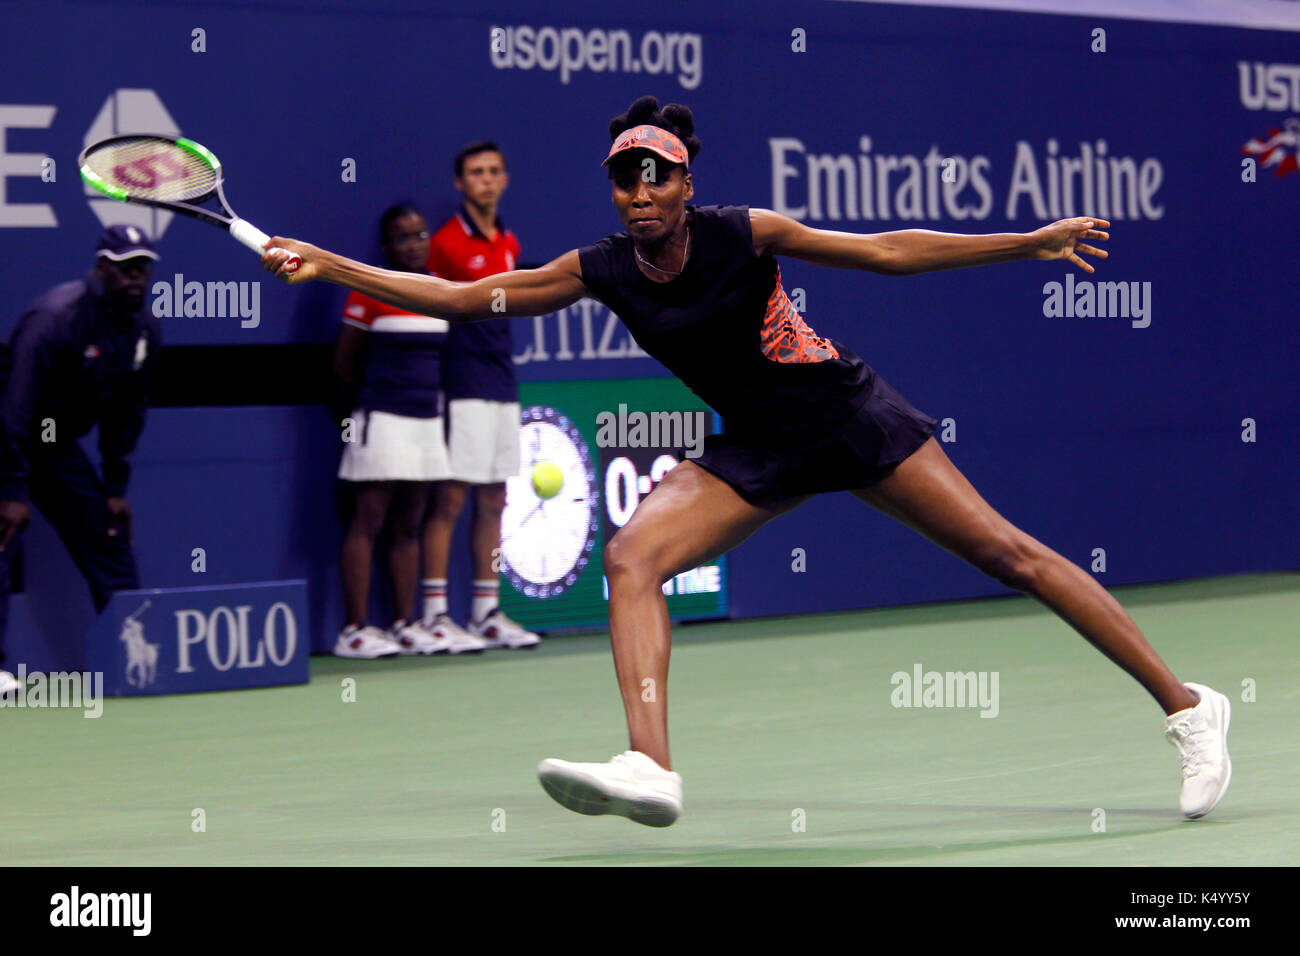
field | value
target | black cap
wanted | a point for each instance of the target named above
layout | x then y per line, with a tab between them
125	242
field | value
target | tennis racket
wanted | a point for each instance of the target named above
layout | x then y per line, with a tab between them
175	174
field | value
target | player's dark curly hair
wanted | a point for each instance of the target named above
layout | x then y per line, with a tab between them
676	118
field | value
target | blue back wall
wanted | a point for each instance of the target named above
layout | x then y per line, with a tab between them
1087	432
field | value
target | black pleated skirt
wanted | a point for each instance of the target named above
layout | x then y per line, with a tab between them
882	430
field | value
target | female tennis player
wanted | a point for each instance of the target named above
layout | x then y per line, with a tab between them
699	288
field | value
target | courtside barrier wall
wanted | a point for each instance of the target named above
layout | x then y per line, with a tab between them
1145	428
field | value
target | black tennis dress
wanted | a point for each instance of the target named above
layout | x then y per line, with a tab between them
802	414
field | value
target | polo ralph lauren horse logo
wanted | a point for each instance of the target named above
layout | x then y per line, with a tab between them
141	656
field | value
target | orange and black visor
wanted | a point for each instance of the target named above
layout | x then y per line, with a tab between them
658	141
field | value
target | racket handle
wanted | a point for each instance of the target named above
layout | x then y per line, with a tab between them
256	239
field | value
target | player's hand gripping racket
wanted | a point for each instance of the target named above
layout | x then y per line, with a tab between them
175	174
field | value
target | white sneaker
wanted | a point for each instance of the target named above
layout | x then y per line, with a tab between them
367	642
414	639
1201	735
497	630
631	785
8	683
454	638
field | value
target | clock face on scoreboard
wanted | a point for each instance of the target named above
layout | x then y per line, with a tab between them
546	542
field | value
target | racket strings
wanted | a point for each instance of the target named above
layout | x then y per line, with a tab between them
149	168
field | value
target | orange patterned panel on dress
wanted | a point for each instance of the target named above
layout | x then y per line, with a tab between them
786	337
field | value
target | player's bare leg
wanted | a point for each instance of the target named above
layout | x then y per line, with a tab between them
690	517
370	507
927	493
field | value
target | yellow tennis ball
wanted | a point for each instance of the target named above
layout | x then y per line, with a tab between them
548	479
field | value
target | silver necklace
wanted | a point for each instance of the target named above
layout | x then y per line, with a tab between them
668	272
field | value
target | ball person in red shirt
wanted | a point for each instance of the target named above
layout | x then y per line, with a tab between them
478	380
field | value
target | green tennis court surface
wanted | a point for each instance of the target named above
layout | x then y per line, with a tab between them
767	718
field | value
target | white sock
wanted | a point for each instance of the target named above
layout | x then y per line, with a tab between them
435	597
485	599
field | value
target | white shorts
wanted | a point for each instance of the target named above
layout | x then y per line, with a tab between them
484	440
390	447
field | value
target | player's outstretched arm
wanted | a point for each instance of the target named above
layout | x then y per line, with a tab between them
909	251
521	292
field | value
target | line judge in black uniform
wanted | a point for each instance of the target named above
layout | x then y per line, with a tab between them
83	354
699	288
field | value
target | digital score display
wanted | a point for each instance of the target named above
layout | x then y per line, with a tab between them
595	433
630	475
